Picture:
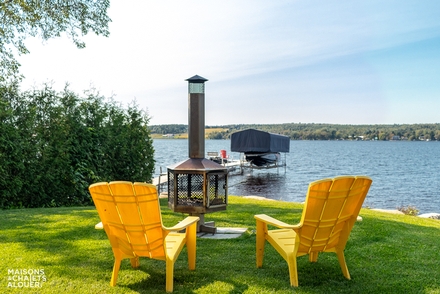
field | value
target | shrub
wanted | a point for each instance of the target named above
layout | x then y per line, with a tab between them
54	145
408	210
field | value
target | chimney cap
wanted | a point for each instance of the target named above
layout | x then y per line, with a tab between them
196	79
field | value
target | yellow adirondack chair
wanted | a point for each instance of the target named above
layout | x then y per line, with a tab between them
131	217
330	211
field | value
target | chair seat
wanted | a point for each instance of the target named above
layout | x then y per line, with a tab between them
282	240
174	243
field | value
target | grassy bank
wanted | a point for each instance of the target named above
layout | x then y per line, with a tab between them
386	253
208	131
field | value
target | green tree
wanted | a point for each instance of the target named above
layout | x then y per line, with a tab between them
46	19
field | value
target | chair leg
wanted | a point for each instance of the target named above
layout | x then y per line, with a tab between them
169	275
343	264
293	272
135	262
261	240
313	256
115	272
191	236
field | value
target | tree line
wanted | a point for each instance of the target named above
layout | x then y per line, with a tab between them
312	131
54	145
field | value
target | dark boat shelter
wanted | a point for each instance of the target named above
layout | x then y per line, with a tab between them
255	141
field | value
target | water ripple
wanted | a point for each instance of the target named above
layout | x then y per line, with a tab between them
403	173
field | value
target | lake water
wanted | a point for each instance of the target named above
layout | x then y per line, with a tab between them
404	173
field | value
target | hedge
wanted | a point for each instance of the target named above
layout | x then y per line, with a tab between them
54	145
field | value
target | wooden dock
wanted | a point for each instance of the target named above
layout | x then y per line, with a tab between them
232	165
160	180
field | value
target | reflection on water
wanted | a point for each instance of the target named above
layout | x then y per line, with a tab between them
403	173
259	183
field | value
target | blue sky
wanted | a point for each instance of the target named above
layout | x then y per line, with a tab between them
339	62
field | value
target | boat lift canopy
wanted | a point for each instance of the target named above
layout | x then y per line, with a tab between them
254	141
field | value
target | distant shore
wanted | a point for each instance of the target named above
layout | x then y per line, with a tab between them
314	131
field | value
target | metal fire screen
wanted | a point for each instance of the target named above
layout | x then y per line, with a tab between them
197	192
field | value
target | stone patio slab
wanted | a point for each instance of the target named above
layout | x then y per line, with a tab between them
223	233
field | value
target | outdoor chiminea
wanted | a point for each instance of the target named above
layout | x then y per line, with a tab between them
197	185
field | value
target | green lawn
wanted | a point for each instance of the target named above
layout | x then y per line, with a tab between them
386	253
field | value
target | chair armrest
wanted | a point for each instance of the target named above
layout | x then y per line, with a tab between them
99	226
189	220
274	222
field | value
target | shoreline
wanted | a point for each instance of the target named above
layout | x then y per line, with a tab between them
431	215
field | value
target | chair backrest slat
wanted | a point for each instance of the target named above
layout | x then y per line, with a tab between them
330	209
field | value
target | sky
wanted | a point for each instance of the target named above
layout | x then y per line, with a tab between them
267	62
